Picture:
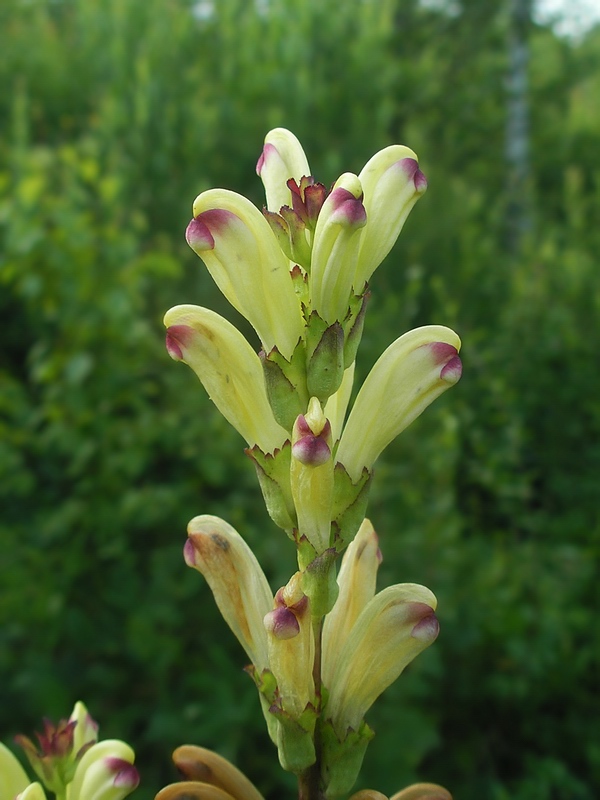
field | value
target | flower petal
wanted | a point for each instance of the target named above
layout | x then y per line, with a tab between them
410	374
392	183
282	158
14	777
105	772
229	369
335	249
393	628
198	764
236	579
356	579
241	253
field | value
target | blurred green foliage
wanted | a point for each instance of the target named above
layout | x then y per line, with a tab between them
117	113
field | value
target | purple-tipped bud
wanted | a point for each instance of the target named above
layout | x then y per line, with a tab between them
177	339
411	169
311	440
126	775
347	210
282	623
198	236
268	151
189	553
427	626
312	451
452	372
446	355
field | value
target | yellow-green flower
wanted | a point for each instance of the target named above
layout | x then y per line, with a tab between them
410	374
229	369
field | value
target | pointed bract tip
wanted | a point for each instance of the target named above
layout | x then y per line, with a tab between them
198	236
282	623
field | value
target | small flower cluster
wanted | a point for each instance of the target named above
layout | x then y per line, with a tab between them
70	762
323	647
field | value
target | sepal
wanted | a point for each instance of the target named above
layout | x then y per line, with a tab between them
342	758
285	383
319	583
324	357
350	500
295	739
273	472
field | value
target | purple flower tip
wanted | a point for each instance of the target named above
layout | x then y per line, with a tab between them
189	553
347	209
420	181
313	451
452	371
126	775
198	236
282	623
177	339
267	149
442	352
427	629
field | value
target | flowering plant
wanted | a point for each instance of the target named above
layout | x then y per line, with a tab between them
323	647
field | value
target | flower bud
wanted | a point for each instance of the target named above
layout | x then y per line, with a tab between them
410	374
392	183
282	158
335	249
311	475
393	628
241	253
356	580
236	579
32	792
229	369
105	772
291	648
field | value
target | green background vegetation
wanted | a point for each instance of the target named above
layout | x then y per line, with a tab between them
116	114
